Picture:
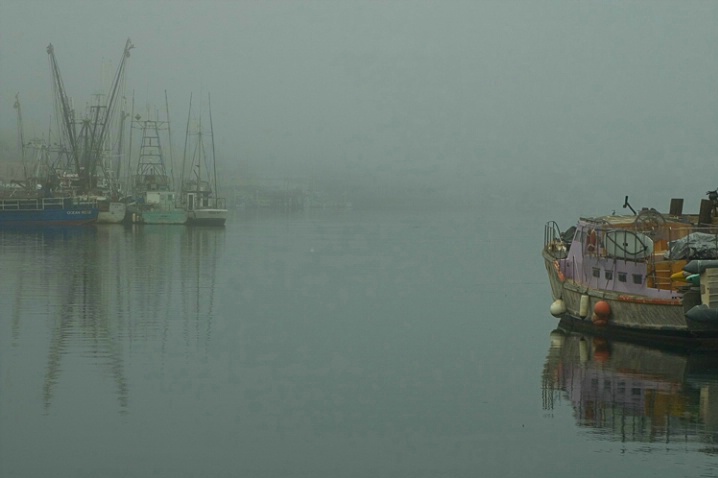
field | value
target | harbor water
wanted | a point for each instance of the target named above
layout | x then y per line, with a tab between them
325	344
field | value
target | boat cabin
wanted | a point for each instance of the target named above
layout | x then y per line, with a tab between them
632	254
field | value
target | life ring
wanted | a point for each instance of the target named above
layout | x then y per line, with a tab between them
591	241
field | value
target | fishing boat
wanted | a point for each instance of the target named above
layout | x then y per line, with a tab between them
646	275
47	211
154	200
199	180
88	145
111	212
34	200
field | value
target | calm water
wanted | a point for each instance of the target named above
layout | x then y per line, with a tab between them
324	345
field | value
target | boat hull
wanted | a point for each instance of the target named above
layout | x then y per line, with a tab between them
112	213
207	217
47	212
165	217
631	317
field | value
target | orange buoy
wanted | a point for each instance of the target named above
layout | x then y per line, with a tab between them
599	320
601	350
601	312
602	309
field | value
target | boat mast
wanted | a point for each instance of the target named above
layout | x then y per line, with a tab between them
169	140
186	136
211	132
120	142
98	138
20	134
95	134
129	183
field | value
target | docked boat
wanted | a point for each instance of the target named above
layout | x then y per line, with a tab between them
199	180
154	200
38	199
88	145
647	275
156	207
202	208
111	212
47	211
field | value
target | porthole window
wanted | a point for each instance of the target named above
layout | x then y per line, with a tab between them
596	272
637	279
622	277
608	275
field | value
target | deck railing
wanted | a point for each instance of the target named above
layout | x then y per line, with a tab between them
673	245
41	204
552	233
29	204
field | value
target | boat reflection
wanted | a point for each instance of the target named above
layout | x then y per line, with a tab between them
633	393
87	299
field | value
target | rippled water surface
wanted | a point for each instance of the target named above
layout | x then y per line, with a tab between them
325	344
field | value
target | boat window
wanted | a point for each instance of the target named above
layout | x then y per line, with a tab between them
608	275
622	277
637	279
596	272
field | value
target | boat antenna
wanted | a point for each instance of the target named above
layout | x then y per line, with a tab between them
626	205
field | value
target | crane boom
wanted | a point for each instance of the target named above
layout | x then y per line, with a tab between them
67	115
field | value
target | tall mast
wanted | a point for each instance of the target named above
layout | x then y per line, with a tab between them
20	134
211	131
186	135
129	181
94	130
120	143
98	138
169	140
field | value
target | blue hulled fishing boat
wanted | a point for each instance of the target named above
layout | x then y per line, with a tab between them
64	211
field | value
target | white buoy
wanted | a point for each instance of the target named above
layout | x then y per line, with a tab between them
583	350
583	306
557	339
557	308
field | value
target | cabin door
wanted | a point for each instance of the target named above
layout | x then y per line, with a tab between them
190	202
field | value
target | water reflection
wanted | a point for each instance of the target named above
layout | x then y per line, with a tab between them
83	322
88	294
633	393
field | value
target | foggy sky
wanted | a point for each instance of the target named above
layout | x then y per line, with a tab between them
475	99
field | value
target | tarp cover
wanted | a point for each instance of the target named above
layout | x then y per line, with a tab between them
697	245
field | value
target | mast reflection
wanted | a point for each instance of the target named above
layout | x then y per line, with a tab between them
96	299
83	312
633	393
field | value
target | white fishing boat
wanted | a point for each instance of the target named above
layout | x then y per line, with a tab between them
199	179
